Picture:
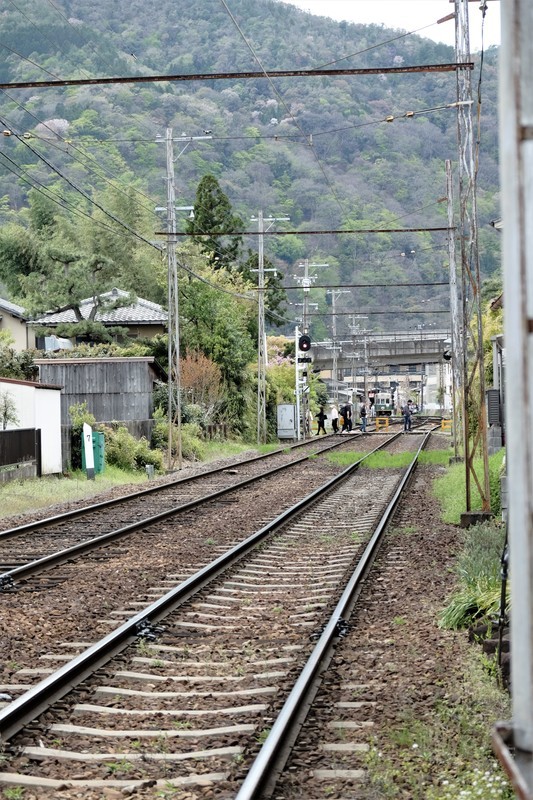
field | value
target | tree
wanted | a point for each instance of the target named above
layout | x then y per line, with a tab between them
213	215
8	410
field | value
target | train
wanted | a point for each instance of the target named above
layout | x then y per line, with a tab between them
384	403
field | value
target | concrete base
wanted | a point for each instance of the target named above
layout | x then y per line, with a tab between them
475	518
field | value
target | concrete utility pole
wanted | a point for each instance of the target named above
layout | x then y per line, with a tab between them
457	359
261	332
174	374
516	171
473	383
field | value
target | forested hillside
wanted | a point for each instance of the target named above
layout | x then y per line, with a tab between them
316	149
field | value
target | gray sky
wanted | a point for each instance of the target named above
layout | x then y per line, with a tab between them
411	15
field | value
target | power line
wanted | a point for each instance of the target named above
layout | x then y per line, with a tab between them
85	195
367	285
314	233
248	75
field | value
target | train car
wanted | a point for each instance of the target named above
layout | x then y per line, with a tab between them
384	403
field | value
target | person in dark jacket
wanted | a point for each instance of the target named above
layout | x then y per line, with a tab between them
321	418
407	412
362	415
346	414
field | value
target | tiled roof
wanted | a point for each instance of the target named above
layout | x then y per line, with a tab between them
143	312
13	308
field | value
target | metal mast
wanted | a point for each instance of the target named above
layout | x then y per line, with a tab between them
261	339
473	363
516	170
457	341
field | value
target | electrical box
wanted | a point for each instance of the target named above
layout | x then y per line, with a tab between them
286	421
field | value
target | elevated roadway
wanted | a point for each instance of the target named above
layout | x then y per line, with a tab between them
383	350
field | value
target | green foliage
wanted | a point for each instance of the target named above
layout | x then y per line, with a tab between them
126	452
450	489
213	215
478	574
101	350
17	365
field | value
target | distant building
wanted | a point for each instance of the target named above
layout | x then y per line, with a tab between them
143	319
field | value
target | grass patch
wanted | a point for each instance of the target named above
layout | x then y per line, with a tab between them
17	497
214	449
478	573
435	457
445	753
450	489
344	459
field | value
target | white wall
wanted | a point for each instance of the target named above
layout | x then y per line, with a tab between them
38	407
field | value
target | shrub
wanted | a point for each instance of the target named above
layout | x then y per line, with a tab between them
145	455
120	447
192	447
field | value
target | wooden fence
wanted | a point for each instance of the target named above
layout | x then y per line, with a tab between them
20	454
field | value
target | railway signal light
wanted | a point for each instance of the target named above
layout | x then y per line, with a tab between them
304	343
447	355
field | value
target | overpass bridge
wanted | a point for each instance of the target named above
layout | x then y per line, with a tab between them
382	352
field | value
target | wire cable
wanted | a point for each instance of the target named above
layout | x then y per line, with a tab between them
282	100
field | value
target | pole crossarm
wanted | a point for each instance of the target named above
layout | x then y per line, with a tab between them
238	76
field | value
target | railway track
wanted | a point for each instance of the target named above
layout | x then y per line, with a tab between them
38	545
198	678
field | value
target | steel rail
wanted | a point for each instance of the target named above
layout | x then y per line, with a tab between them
262	777
8	578
51	689
77	512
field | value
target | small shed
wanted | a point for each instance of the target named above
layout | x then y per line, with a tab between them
115	390
38	406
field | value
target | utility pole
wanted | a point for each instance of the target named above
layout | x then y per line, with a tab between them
261	332
335	374
473	383
457	340
514	740
174	374
306	284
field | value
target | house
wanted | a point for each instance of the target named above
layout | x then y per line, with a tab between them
13	319
143	319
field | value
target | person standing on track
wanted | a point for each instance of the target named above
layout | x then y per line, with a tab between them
362	415
407	411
